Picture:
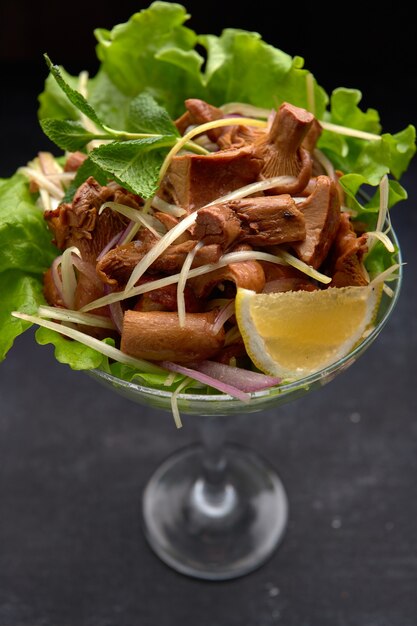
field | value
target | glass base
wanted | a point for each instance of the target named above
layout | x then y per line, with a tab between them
209	531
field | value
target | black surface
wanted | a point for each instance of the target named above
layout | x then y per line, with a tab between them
74	459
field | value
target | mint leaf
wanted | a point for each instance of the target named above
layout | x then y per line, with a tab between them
134	164
67	134
147	116
74	96
54	103
110	104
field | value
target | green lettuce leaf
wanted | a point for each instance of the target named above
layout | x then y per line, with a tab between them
241	67
371	158
154	52
143	55
25	242
149	66
72	353
130	374
379	259
111	104
81	357
391	154
26	252
19	292
363	197
345	110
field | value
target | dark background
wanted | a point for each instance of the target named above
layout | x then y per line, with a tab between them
74	458
359	45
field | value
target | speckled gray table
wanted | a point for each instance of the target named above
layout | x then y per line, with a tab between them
74	459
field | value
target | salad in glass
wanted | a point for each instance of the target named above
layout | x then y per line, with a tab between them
185	192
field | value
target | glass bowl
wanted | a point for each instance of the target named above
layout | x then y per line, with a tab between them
217	511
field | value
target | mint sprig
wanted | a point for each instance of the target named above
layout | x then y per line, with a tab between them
134	164
133	159
74	96
69	134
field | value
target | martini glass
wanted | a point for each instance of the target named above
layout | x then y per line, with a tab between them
215	510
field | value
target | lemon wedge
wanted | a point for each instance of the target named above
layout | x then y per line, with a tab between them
294	334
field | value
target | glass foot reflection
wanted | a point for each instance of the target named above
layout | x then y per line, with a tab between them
215	525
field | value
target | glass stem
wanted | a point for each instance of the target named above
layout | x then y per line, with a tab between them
212	495
214	460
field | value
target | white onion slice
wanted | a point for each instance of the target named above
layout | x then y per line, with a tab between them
225	313
135	215
281	258
68	277
185	270
75	317
92	342
188	221
56	276
166	207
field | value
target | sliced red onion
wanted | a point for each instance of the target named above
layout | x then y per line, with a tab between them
242	379
117	239
87	269
115	310
113	241
116	314
207	380
127	231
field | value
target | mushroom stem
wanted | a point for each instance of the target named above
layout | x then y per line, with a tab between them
281	150
159	336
